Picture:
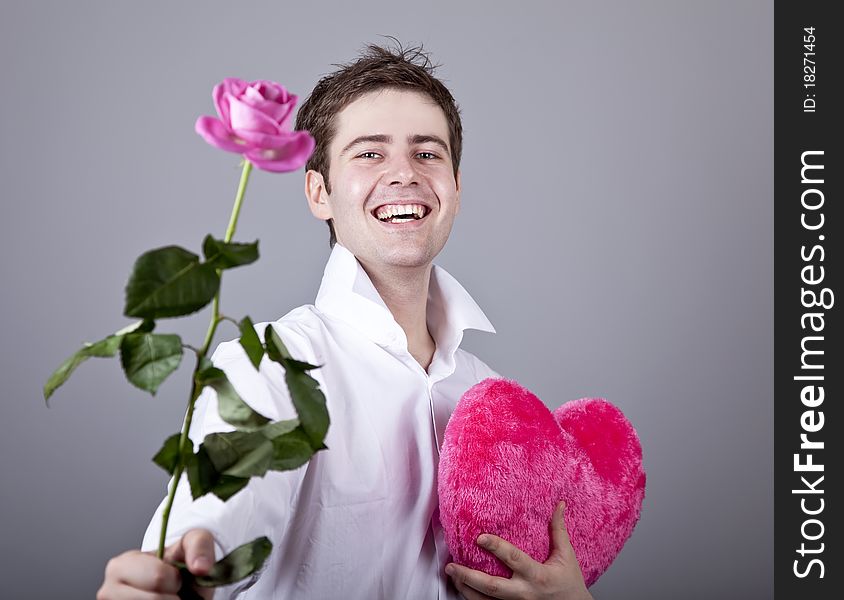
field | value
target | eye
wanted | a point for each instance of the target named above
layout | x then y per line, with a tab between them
426	155
369	154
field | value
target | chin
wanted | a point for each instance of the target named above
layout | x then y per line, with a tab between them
410	257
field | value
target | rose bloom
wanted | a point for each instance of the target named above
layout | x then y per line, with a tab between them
254	120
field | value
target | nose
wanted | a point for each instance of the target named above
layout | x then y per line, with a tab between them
401	171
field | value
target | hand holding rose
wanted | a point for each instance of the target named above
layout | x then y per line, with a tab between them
171	281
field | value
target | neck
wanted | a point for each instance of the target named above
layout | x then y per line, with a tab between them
405	292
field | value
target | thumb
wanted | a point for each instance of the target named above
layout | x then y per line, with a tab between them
195	549
198	545
562	548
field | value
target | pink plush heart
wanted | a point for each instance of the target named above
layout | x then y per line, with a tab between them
507	461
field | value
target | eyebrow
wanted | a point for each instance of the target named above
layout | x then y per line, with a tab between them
388	139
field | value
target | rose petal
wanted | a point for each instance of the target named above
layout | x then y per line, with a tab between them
284	121
265	141
271	90
215	133
249	118
294	153
221	102
234	85
279	113
223	91
270	98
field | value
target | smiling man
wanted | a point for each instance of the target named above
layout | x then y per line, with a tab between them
360	520
393	197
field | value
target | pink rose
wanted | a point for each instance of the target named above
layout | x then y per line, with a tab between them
255	122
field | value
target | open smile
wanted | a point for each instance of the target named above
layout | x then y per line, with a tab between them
398	214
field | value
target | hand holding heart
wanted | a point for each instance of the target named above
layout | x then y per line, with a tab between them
559	578
507	462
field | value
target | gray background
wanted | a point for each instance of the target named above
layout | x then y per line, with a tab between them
616	226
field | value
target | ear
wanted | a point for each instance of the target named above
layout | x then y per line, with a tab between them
316	195
459	187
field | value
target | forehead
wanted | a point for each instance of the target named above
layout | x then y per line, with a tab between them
398	113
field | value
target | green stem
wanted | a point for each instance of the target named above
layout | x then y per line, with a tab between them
184	441
238	200
177	474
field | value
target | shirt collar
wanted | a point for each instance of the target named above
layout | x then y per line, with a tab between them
347	293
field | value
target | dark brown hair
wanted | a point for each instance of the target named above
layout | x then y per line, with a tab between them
377	68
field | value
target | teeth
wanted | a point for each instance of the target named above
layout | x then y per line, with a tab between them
391	210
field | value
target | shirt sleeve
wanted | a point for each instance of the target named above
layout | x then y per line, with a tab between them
260	508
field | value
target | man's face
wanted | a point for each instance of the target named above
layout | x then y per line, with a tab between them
390	152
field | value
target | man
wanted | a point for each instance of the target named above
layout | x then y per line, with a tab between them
360	520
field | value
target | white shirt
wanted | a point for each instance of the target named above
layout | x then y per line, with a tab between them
360	520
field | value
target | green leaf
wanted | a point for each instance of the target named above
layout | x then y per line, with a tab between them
102	349
145	326
291	450
240	563
250	341
239	453
149	358
299	365
225	461
228	486
232	408
277	428
227	255
168	457
310	404
202	475
307	398
169	282
276	349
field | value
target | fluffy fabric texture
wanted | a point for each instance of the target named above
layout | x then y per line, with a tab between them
507	461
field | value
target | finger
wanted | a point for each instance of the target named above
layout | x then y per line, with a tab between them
497	587
144	572
199	551
470	594
519	562
195	549
561	542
